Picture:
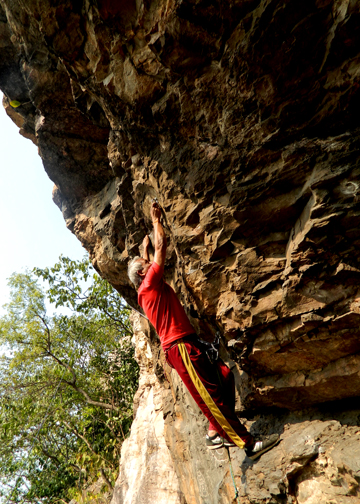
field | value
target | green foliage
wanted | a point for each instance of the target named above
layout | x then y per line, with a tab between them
67	381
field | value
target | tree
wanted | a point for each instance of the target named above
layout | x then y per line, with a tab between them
67	383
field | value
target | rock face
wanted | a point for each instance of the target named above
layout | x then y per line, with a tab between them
147	470
242	119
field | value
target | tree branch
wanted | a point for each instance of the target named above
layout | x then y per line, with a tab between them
106	479
73	385
83	438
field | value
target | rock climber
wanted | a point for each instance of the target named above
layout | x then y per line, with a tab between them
211	384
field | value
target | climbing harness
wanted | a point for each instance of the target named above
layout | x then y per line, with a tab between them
233	477
206	397
211	349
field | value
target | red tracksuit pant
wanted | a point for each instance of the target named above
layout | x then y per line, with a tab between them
222	393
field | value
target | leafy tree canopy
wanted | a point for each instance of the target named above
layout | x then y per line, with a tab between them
67	381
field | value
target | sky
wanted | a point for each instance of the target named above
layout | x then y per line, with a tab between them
33	231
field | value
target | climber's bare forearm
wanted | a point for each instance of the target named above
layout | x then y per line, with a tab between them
160	244
159	236
146	245
146	254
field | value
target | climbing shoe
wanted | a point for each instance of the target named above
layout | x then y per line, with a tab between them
228	444
261	447
214	442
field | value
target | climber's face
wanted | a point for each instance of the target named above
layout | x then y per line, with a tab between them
146	265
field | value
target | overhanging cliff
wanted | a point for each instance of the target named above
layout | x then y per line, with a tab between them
242	119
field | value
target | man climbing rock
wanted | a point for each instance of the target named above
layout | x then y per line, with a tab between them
211	384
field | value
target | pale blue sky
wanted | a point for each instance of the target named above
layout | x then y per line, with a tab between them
33	231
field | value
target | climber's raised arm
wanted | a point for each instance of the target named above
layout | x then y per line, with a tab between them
146	244
159	236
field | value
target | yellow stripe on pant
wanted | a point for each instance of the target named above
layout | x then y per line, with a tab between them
206	397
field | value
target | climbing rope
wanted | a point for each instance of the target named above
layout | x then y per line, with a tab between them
206	397
233	477
137	311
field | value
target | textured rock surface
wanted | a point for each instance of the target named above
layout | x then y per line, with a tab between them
146	470
242	118
317	460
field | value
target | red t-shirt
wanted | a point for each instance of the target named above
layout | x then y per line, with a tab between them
162	307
